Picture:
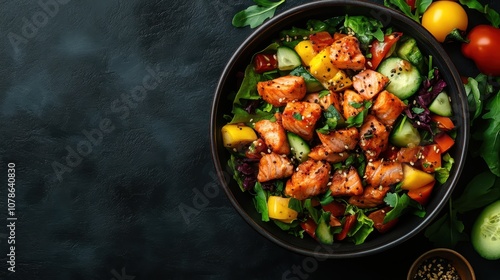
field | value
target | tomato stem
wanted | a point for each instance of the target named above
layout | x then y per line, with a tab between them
457	35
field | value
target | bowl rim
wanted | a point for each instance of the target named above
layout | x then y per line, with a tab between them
279	19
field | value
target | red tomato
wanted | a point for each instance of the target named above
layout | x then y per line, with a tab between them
309	226
378	220
483	46
265	62
335	208
321	40
379	50
422	194
349	222
411	3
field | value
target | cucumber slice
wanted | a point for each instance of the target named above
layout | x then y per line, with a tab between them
312	85
404	78
409	50
288	59
441	105
323	232
405	134
300	148
485	235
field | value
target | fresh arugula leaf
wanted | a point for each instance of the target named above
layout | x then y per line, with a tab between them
423	5
403	7
327	198
365	29
313	212
399	204
442	173
363	227
260	201
482	190
490	147
491	15
242	116
477	90
447	231
236	174
295	204
248	88
255	15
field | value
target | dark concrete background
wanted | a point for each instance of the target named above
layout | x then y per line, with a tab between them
104	110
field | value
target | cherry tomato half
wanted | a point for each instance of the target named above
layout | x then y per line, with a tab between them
442	17
264	62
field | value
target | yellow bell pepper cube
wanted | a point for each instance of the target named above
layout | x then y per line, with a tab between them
321	66
278	209
414	178
339	82
237	135
306	51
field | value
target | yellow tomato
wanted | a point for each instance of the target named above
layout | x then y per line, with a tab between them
442	17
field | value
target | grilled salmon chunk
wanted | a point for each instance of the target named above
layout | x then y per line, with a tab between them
333	98
310	179
387	107
369	83
352	104
383	173
371	197
345	54
346	183
274	135
374	137
301	117
278	92
274	166
319	152
340	140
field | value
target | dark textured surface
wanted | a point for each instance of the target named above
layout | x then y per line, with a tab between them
128	84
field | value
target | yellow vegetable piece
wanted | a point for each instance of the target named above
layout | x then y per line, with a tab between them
339	82
322	68
414	178
306	51
237	135
278	209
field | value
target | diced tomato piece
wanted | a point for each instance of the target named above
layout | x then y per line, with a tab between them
321	40
443	123
431	158
335	208
411	3
378	220
350	221
334	221
379	50
309	226
264	62
444	141
422	194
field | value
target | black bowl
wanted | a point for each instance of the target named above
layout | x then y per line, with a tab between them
408	226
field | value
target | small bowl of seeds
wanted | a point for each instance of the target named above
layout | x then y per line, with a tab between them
441	264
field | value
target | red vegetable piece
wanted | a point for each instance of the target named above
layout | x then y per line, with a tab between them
379	50
264	62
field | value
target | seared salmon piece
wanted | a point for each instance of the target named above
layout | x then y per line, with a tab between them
301	117
340	140
372	196
346	183
310	179
387	107
345	53
274	135
383	173
369	83
333	98
319	152
274	166
374	137
278	92
352	104
409	155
